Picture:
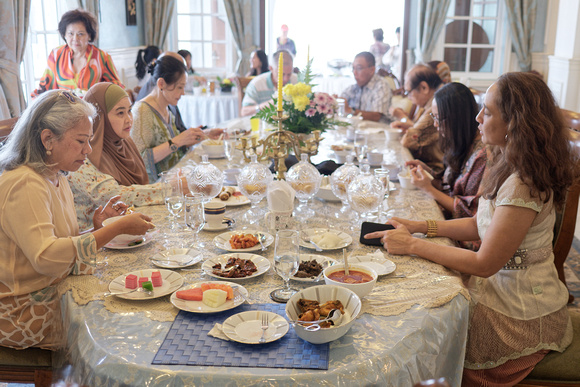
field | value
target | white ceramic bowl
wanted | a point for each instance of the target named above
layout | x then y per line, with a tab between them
361	290
405	181
341	155
322	293
121	238
393	134
213	148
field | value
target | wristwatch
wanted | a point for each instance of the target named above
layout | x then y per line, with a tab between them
172	146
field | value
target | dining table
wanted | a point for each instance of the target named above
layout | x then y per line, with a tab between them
412	325
208	109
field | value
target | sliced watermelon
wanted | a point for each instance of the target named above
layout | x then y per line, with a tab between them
195	294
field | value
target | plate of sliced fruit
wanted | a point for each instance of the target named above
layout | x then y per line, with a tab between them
201	297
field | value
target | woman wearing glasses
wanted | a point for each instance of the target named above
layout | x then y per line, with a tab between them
453	111
78	64
40	242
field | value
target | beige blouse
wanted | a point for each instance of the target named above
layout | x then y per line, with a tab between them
39	246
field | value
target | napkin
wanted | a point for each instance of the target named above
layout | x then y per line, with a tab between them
217	332
280	196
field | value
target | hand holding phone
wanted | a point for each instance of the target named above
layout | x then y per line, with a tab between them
368	227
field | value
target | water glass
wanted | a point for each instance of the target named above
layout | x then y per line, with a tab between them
194	213
173	193
383	175
286	262
360	145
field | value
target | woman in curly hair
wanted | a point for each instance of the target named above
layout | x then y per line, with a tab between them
518	308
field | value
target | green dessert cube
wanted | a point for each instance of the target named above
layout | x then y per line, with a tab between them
147	285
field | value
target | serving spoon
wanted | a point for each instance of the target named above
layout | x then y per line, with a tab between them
334	315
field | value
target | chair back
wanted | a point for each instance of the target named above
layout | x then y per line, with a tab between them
241	83
6	127
572	119
392	80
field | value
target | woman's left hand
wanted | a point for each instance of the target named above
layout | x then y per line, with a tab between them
114	207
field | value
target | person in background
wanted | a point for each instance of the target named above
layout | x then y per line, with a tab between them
392	58
190	71
40	241
154	130
421	136
144	59
261	89
371	95
457	191
258	63
379	48
283	42
114	166
78	64
442	69
518	307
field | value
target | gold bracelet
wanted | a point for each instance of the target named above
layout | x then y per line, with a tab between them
431	228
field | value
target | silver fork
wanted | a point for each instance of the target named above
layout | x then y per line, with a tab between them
260	239
139	289
264	327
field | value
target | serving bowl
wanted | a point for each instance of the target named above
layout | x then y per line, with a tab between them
213	148
361	289
323	293
405	180
121	238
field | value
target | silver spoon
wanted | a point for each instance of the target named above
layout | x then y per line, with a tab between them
334	315
139	289
309	240
261	237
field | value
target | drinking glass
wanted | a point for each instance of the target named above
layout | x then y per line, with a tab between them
194	213
360	145
383	175
173	193
286	262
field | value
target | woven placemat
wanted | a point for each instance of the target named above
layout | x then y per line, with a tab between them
188	343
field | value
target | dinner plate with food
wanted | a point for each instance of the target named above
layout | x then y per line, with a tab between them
145	284
201	297
248	240
246	327
232	197
326	239
311	267
236	266
176	258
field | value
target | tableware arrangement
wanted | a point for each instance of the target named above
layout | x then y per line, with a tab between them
176	258
214	213
383	175
142	241
365	193
255	327
194	214
171	282
206	179
223	240
286	261
262	264
121	239
342	239
323	293
226	223
377	262
173	193
240	294
375	158
234	200
361	289
339	182
360	145
213	148
320	259
405	180
253	181
305	179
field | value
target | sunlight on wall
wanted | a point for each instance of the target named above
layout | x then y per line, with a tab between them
334	29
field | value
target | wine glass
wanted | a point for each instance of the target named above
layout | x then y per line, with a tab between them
194	213
173	193
286	262
360	145
305	179
383	175
206	179
339	182
253	182
365	193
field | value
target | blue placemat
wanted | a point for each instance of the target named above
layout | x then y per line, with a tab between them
187	343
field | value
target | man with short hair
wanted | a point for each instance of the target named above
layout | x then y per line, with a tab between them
261	89
371	95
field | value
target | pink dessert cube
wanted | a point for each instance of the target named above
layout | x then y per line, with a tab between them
156	279
143	279
131	281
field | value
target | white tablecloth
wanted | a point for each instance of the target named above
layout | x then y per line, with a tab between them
208	109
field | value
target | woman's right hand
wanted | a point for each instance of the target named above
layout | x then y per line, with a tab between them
189	137
133	224
420	178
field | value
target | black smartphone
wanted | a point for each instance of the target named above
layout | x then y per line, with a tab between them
368	227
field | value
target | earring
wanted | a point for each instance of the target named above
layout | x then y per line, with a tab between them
505	138
48	152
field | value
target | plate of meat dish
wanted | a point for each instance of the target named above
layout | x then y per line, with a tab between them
246	241
237	266
311	266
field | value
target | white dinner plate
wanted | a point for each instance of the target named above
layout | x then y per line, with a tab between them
381	265
145	240
200	307
262	264
246	327
345	239
321	259
226	223
171	282
223	241
176	258
234	201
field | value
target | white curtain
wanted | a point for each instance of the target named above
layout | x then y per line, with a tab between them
158	15
431	22
240	17
522	17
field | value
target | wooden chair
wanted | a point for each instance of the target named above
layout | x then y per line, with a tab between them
32	365
6	127
241	83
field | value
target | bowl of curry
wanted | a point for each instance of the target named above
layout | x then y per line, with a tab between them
360	279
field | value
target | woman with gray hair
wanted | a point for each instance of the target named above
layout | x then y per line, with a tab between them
40	242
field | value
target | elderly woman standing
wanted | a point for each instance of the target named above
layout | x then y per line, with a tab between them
518	307
40	242
78	64
115	165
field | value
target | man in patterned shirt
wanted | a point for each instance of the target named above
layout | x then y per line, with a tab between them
260	90
371	95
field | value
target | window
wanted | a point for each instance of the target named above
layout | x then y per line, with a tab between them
203	29
472	43
42	37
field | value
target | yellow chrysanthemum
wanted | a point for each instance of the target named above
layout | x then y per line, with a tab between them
299	89
300	102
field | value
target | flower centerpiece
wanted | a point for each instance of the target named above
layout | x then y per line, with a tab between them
225	84
306	110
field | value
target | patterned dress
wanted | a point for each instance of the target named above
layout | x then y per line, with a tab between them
92	188
39	246
60	73
521	309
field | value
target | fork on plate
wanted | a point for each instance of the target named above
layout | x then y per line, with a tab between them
265	323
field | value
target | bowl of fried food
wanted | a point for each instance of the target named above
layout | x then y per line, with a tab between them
213	148
309	309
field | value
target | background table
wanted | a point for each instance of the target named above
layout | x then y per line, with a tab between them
414	328
333	84
208	109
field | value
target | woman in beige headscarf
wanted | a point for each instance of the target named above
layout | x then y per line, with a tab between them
115	165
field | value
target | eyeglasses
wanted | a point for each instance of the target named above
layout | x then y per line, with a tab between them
358	69
79	35
435	118
407	92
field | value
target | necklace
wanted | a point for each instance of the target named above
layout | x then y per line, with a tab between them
164	113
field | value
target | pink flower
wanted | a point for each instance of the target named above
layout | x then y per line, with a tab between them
310	112
320	98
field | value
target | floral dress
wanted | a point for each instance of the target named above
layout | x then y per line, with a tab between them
92	188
